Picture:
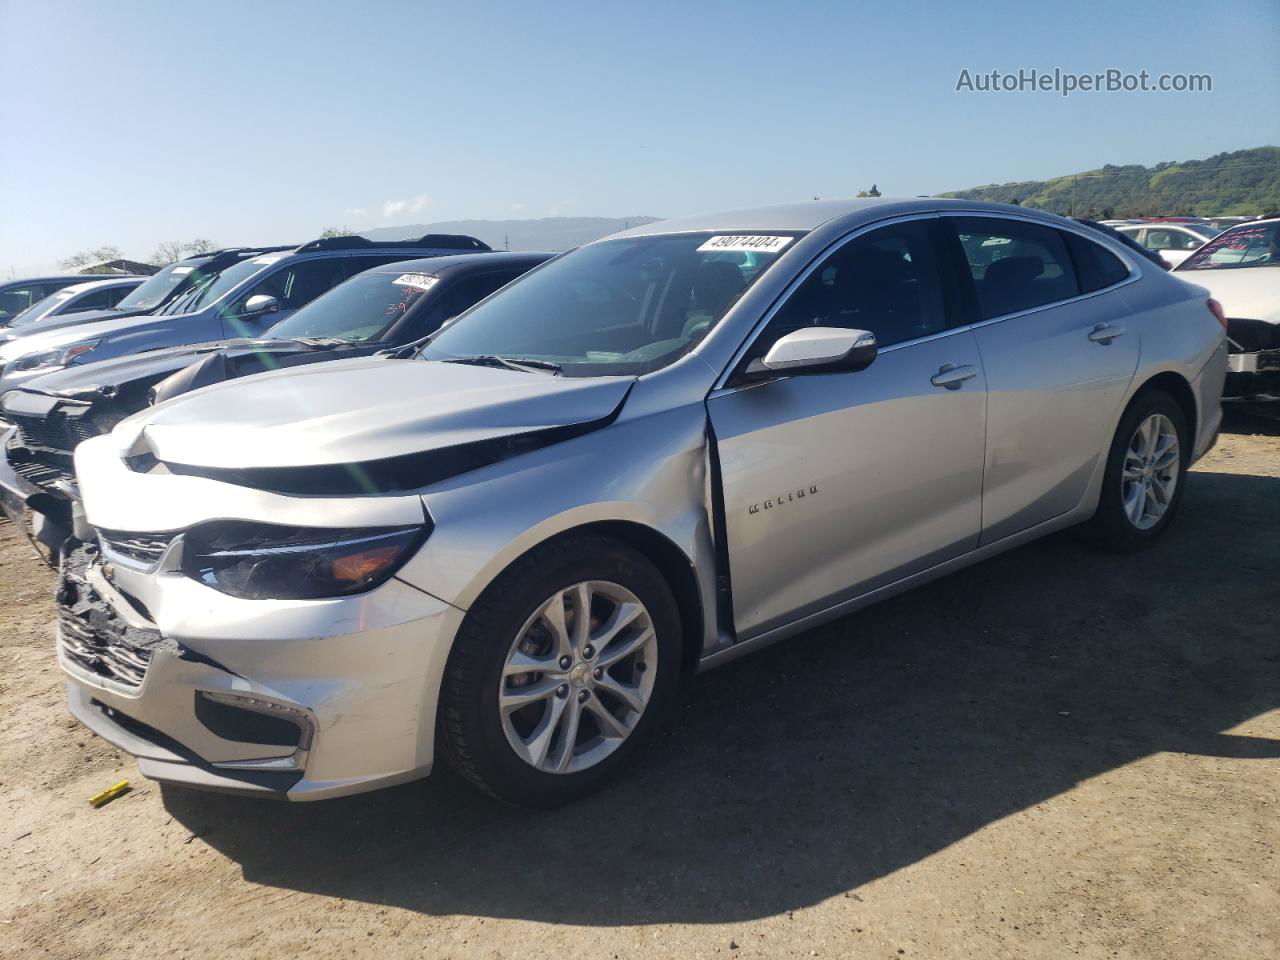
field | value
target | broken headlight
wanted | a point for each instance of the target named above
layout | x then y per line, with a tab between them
262	561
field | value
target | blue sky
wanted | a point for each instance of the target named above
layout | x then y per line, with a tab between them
261	122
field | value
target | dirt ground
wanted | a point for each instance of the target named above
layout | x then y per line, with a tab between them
1054	754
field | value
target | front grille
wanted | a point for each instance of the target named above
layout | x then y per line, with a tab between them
95	653
43	475
144	549
54	432
92	636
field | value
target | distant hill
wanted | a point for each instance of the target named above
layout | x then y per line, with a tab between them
1243	182
547	233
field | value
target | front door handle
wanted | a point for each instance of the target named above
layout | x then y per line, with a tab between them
1106	332
952	376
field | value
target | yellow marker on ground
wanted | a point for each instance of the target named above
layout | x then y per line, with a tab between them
106	796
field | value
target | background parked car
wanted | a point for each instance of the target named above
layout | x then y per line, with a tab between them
19	295
1241	268
243	300
159	289
92	295
383	308
1174	241
1105	227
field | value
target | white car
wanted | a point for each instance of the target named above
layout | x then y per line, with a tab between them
1173	241
1241	269
98	294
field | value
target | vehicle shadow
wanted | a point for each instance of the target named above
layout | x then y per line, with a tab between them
847	753
1259	419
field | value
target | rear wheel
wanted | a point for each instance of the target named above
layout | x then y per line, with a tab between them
560	671
1145	473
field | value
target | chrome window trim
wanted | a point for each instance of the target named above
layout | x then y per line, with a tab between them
720	385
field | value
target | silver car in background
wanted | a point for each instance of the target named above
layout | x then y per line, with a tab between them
646	457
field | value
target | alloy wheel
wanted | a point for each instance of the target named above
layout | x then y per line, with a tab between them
1152	463
578	677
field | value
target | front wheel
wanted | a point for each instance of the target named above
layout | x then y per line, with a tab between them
560	671
1145	474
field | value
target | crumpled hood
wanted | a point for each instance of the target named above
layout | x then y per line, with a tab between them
1246	293
355	411
119	373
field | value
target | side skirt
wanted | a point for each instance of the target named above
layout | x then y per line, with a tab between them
845	607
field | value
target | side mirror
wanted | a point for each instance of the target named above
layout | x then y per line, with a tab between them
818	350
260	304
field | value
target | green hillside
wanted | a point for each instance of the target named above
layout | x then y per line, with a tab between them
1243	182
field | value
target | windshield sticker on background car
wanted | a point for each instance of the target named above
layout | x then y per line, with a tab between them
182	271
745	244
419	280
271	259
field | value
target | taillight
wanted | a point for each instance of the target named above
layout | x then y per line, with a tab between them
1216	309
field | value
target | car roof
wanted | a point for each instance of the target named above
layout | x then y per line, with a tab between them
463	262
101	283
45	279
814	213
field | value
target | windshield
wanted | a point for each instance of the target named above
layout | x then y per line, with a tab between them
152	293
622	307
363	308
1205	230
41	308
210	288
1243	246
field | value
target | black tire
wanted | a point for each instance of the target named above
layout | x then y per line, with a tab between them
471	737
1111	527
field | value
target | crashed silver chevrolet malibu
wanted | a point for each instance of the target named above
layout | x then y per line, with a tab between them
642	459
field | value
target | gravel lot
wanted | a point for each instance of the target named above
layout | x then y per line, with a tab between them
1057	753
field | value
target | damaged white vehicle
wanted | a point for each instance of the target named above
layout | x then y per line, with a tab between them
643	458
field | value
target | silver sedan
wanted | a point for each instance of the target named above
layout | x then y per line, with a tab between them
644	458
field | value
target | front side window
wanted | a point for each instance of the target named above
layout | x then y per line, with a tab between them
620	307
885	281
297	285
1244	246
1015	265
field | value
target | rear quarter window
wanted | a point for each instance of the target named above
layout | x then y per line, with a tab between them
1096	266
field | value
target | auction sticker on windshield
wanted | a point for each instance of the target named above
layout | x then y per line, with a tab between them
745	244
419	280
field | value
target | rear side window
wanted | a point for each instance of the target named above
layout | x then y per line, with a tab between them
1096	266
1015	265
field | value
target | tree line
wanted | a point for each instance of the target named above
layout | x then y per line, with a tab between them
1244	182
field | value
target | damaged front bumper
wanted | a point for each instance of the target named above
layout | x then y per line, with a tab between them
1251	375
302	700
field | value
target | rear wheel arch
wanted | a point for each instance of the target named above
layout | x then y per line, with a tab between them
1177	387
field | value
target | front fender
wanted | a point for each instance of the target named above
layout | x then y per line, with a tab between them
649	471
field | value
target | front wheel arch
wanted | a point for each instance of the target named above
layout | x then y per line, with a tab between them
676	567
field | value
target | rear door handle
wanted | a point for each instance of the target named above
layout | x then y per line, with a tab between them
1106	332
952	376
